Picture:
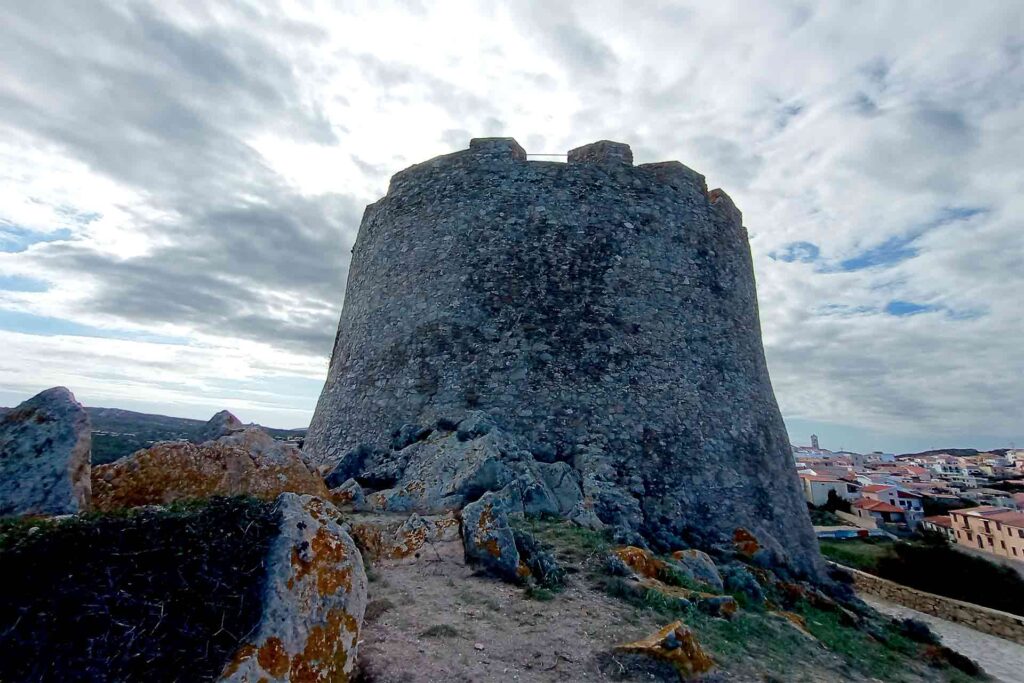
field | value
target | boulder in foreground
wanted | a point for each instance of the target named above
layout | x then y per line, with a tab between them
242	462
314	601
676	645
45	446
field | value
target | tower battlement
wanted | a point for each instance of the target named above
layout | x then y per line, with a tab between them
603	313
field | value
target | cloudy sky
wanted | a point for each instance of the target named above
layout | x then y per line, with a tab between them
180	188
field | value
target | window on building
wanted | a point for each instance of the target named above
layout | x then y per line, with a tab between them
1003	544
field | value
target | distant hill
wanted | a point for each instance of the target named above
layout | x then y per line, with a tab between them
959	452
117	433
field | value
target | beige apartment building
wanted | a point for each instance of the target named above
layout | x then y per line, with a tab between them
995	530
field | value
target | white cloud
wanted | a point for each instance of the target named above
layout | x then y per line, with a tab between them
223	155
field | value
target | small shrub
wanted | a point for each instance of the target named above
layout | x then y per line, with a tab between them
539	593
440	631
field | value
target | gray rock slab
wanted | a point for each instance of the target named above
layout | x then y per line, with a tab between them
45	449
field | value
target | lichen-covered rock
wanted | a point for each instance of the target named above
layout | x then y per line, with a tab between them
603	311
245	462
542	566
488	539
675	644
314	601
349	493
400	540
697	565
641	561
45	446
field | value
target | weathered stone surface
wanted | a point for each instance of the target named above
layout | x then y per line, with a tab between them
642	562
675	644
349	493
221	424
738	578
401	540
45	446
602	313
488	539
314	601
698	565
246	462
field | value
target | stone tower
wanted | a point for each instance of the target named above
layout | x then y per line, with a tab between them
602	313
814	441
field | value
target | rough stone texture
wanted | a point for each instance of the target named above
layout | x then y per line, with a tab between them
246	462
45	446
314	602
676	645
401	540
221	424
698	566
604	314
488	539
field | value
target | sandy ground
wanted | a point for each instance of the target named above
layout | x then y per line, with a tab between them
438	621
1002	659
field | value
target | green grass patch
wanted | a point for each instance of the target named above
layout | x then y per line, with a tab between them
862	554
539	593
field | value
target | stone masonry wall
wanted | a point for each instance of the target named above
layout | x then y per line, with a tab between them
602	312
993	622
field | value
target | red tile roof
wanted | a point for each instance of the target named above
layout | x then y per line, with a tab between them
940	520
875	488
876	506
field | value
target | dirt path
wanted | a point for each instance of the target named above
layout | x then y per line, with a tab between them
1002	659
437	621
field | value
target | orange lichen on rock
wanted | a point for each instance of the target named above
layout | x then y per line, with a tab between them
172	471
641	561
394	539
676	645
273	658
745	542
314	601
324	557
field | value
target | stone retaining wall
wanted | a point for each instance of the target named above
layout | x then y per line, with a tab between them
984	619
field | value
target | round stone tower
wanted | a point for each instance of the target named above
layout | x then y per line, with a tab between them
603	313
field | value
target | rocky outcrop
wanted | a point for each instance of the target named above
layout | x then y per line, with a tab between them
602	314
698	566
241	462
221	424
45	456
443	468
490	541
314	601
400	539
675	644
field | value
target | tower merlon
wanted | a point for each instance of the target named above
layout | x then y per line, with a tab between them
723	203
602	152
498	147
677	175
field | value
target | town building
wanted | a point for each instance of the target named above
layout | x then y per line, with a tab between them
995	530
816	488
940	524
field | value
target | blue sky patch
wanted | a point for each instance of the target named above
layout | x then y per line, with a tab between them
901	308
14	238
892	251
18	283
804	252
46	326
